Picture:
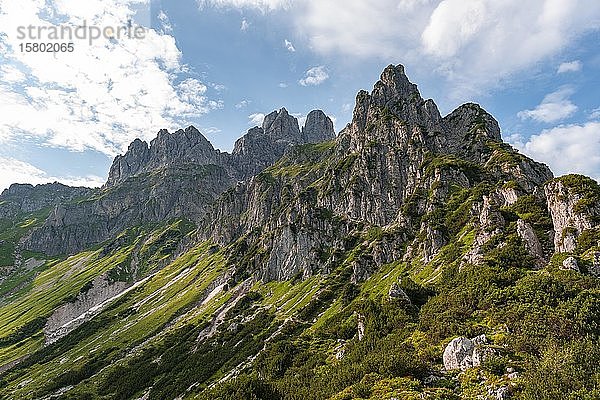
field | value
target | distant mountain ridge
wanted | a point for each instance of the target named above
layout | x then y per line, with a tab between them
178	175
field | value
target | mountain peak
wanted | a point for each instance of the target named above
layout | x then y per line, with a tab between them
318	127
182	146
280	125
394	84
471	116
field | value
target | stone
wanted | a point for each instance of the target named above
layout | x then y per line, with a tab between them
501	393
360	327
458	354
464	353
513	375
570	264
532	243
480	350
569	220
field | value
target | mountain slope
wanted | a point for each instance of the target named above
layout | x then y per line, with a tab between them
352	268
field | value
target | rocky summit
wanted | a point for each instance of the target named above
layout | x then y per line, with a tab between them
409	256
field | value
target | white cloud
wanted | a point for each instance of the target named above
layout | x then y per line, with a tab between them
572	66
289	46
16	171
243	104
473	44
314	76
595	114
12	74
566	149
256	119
452	25
211	130
283	85
555	107
100	96
245	25
263	5
165	22
347	107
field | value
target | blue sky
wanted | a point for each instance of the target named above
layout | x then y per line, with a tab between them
222	64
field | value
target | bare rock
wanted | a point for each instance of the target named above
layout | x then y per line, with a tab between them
570	264
464	353
572	209
532	243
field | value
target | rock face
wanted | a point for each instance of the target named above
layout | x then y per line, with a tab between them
396	293
167	150
463	353
28	198
574	204
532	243
178	175
380	170
88	304
262	146
317	128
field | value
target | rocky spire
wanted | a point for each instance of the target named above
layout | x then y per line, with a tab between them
262	146
281	126
318	127
167	149
129	164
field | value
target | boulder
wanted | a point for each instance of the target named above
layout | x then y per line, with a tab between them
570	264
464	353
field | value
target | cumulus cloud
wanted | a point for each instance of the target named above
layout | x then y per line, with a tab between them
566	149
595	114
572	66
555	107
452	25
289	46
245	25
474	44
256	119
102	95
314	76
16	171
12	74
165	22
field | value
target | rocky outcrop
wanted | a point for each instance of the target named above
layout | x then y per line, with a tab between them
167	150
25	198
570	264
531	241
262	146
88	304
397	294
164	195
574	204
394	165
464	353
317	128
